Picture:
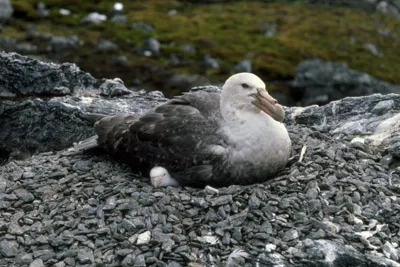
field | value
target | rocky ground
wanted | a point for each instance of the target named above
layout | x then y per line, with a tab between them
337	202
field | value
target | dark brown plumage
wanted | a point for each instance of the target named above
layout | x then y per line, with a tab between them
162	137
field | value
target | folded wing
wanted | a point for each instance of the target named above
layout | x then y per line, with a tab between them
177	135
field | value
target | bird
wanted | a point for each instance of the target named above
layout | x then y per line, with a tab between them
160	177
236	136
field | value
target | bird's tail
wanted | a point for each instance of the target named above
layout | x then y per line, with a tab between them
112	130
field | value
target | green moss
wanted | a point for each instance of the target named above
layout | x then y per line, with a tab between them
229	32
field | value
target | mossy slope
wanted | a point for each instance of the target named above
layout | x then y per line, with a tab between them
229	32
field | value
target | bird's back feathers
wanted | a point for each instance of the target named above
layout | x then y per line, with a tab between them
174	135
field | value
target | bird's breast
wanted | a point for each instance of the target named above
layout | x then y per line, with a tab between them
263	143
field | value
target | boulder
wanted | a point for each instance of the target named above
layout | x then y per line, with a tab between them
319	82
39	100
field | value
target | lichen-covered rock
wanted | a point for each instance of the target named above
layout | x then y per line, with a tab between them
23	76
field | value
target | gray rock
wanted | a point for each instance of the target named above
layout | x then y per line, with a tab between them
119	60
6	11
93	18
269	29
99	189
24	258
8	248
7	43
174	59
118	8
113	87
390	251
42	10
42	239
189	48
390	7
64	12
142	26
15	229
28	175
184	82
120	19
139	261
70	261
24	195
44	254
61	43
110	203
85	256
222	200
124	252
128	260
82	165
373	49
106	46
386	33
243	66
383	107
210	62
37	263
26	48
3	184
172	12
317	81
60	264
151	46
290	235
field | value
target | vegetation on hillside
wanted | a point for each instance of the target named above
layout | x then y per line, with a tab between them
229	32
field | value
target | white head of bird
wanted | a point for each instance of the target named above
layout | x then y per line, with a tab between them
246	92
159	177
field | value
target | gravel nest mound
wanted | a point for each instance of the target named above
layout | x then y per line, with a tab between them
72	209
336	203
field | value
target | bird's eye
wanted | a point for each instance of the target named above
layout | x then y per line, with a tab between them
245	85
164	174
